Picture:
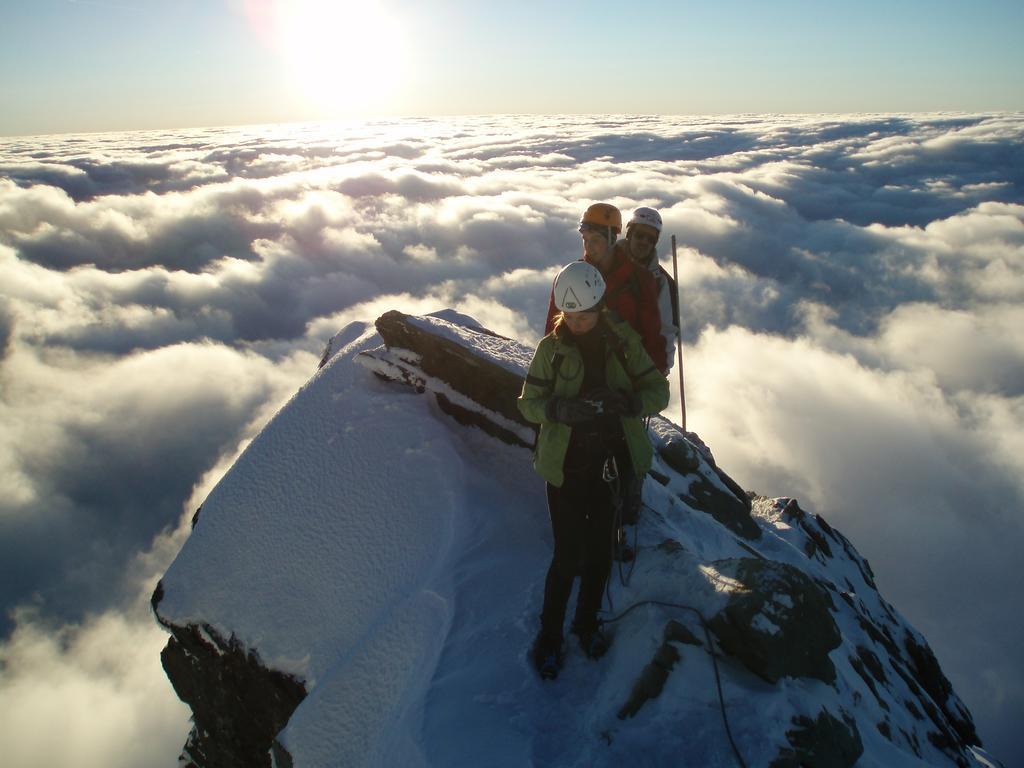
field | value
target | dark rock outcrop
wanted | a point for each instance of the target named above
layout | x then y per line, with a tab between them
819	533
483	381
929	675
777	622
710	489
826	741
898	668
652	678
238	704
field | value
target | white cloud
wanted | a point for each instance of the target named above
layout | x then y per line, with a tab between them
926	484
854	283
91	695
98	454
980	350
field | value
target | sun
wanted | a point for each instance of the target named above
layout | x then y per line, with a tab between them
342	57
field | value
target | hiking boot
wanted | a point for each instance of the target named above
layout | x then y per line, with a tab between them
594	642
547	656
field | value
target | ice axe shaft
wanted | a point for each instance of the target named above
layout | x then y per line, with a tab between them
679	336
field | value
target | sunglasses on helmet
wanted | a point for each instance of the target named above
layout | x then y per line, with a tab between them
588	227
643	237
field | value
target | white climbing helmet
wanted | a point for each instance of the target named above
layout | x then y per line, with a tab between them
647	216
578	287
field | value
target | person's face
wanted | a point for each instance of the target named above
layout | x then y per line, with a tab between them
642	240
581	322
595	244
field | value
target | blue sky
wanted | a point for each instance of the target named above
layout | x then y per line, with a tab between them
125	64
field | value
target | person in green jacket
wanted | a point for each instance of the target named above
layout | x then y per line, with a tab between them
589	385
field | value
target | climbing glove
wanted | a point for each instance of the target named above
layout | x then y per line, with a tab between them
619	402
571	410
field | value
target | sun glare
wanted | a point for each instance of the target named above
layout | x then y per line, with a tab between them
344	57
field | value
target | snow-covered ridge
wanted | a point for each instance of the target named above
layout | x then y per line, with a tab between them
361	588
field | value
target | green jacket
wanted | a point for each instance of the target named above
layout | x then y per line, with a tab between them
543	382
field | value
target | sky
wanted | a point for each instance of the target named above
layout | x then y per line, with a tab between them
91	65
851	289
165	286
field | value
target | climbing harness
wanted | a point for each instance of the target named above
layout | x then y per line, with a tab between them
610	474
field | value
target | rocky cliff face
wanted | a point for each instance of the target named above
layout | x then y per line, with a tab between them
283	657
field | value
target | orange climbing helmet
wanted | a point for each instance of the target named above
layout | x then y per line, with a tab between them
603	215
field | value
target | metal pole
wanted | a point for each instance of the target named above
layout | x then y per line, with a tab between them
679	335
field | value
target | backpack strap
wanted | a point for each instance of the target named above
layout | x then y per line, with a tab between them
615	343
556	364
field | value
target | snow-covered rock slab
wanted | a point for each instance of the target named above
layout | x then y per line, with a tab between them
336	516
362	586
475	374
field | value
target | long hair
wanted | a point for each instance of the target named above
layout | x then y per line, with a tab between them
561	331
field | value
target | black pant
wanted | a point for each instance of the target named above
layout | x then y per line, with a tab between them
632	497
582	520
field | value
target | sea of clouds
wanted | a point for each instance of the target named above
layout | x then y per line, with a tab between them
851	291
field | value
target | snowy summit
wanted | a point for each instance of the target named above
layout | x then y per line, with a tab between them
362	586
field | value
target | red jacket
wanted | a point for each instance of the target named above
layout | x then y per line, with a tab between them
630	291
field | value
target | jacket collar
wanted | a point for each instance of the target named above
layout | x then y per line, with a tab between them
622	250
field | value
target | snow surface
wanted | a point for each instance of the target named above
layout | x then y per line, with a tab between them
394	561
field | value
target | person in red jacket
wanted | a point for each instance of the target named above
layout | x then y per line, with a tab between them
641	245
631	290
631	293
